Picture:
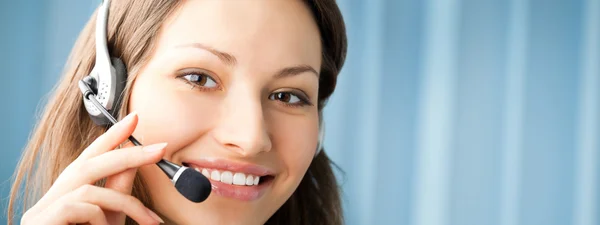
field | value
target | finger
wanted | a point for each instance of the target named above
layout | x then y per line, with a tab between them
123	181
112	200
119	160
74	212
116	135
103	166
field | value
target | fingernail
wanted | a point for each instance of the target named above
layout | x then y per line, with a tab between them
129	117
154	216
154	147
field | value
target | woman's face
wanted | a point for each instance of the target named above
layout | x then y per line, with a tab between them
232	87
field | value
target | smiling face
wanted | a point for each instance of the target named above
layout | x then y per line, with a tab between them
232	86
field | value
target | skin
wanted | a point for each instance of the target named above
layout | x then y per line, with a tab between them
231	114
234	115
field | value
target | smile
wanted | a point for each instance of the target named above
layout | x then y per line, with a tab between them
238	181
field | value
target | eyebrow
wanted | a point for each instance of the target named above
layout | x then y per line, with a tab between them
294	70
223	56
230	60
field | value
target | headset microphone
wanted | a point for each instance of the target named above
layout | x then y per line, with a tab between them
102	91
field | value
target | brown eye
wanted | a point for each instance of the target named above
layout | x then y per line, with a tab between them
201	80
286	97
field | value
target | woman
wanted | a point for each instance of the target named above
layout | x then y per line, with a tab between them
230	88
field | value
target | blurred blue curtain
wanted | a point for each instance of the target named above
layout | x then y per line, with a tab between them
469	112
447	112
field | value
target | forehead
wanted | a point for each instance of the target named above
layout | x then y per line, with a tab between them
257	32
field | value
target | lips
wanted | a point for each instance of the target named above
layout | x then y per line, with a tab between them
244	182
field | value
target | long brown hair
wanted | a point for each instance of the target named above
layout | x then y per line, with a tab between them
65	129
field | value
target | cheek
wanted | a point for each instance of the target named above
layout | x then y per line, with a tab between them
295	142
167	114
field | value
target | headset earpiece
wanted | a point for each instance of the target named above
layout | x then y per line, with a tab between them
108	90
108	77
121	82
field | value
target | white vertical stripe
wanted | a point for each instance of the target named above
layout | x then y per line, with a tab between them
371	77
586	208
436	113
514	101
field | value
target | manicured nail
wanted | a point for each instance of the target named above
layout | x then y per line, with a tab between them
154	147
154	216
129	117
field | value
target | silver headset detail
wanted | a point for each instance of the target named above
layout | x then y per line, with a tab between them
109	75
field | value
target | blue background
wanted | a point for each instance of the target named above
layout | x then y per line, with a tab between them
448	112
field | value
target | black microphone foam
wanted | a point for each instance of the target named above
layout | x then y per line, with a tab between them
193	185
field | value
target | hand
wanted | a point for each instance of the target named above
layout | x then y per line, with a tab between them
74	199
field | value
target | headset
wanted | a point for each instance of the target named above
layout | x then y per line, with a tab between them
102	93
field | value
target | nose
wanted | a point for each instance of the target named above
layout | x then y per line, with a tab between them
242	127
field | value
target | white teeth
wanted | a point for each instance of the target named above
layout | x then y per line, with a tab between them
205	173
239	179
215	175
229	177
249	180
226	177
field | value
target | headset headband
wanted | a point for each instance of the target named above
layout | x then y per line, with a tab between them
102	57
